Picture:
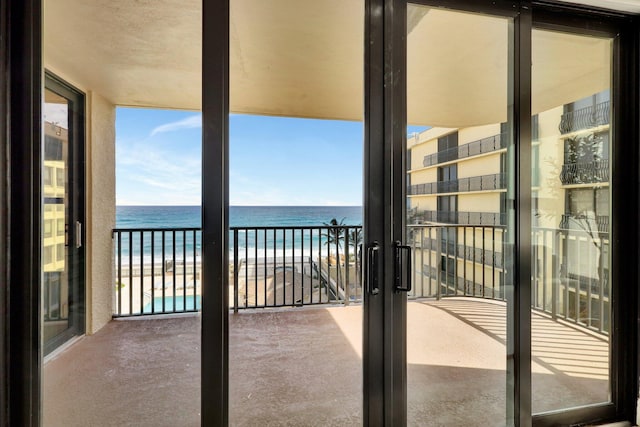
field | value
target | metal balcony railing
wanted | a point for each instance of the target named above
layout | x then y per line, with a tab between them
463	218
570	272
295	266
569	269
474	148
476	183
157	271
457	260
586	223
585	118
585	173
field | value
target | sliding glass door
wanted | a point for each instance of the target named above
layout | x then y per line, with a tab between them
63	206
460	138
492	293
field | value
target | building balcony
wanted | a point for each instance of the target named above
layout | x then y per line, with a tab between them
585	118
476	183
474	148
303	367
463	218
585	173
295	340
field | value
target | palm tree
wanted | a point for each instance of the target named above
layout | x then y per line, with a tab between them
335	236
355	239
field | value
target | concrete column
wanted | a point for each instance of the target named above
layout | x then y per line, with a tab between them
100	210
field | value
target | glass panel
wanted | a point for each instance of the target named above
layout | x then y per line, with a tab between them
459	149
55	192
295	343
571	288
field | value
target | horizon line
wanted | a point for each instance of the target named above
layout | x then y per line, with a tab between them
250	206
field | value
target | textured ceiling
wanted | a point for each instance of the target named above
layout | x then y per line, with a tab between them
304	58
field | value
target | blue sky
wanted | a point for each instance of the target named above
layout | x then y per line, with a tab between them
273	160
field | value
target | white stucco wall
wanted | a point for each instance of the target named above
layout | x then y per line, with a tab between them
101	209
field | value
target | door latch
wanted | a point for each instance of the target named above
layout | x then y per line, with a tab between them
373	253
402	282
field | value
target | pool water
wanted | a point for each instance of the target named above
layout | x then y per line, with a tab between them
168	304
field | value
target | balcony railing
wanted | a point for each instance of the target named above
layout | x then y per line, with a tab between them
481	146
570	274
157	271
588	224
585	173
475	183
457	261
569	269
295	266
585	118
464	218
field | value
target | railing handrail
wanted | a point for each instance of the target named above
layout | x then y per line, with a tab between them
235	227
497	226
293	227
145	229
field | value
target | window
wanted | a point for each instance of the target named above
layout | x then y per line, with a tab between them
47	175
47	255
448	173
60	177
447	147
52	148
48	228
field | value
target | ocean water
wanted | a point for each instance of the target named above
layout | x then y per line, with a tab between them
239	216
252	243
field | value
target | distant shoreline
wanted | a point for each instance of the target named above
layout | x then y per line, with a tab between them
244	206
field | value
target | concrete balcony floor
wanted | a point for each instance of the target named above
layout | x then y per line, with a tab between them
302	367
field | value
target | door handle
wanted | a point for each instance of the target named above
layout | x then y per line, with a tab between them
399	268
373	252
78	234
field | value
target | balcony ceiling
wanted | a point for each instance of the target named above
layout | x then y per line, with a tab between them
304	58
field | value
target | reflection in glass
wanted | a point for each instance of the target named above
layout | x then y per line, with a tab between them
459	181
571	316
55	267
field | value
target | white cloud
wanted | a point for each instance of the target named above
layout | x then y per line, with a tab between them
151	175
191	122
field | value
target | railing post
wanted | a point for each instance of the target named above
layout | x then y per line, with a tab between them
347	284
438	262
555	275
235	271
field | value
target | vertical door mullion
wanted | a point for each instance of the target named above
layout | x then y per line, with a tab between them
395	139
384	343
521	302
215	208
375	205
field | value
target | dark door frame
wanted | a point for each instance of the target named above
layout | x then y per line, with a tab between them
21	92
390	113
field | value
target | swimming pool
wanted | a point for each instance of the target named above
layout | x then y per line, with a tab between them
168	304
